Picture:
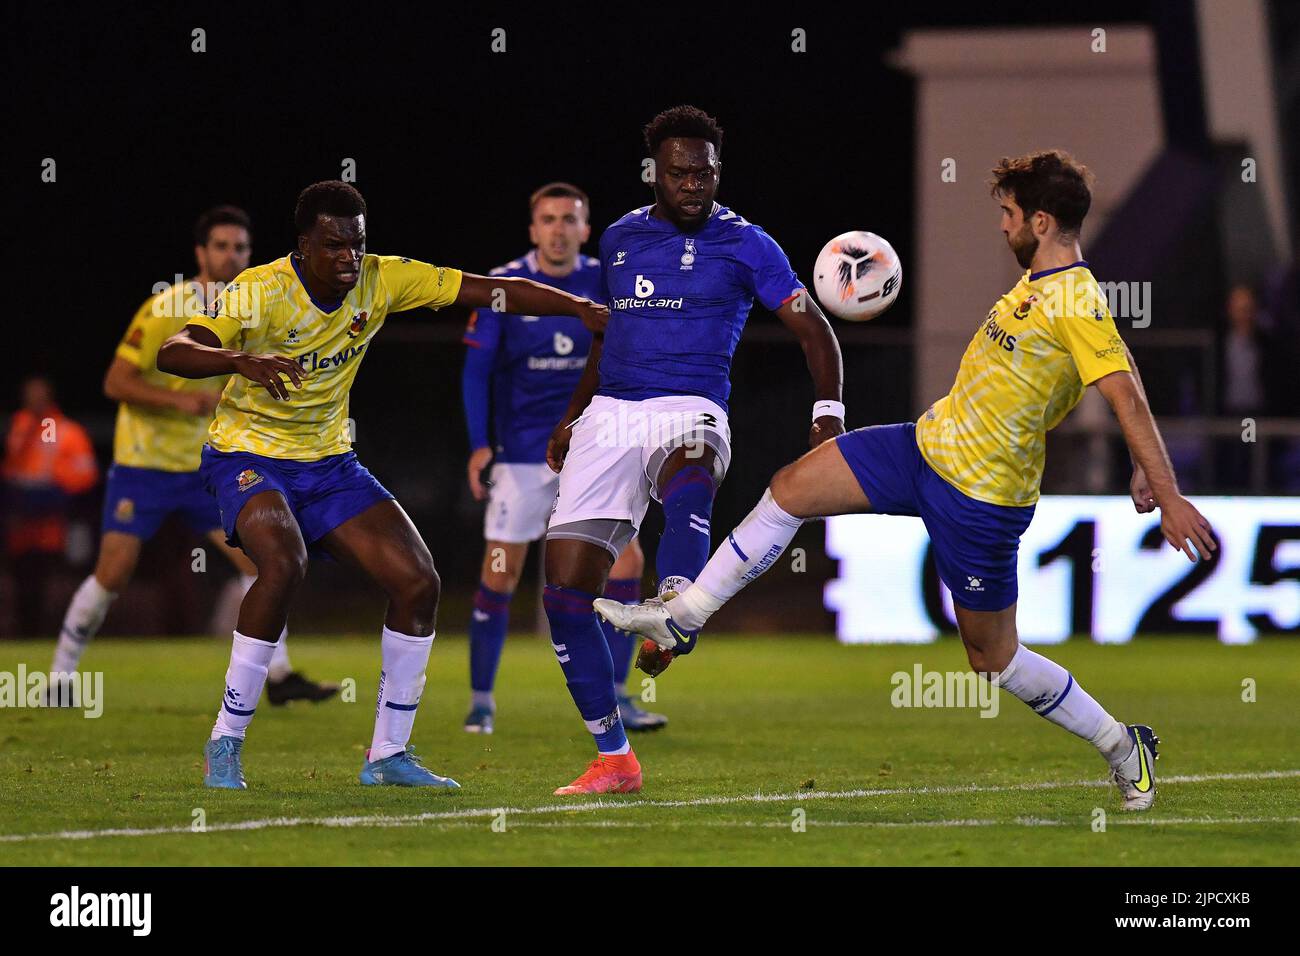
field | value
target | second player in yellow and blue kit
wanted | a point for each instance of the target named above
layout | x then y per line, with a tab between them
971	467
302	446
279	459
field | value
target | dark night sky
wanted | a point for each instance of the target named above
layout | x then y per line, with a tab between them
448	137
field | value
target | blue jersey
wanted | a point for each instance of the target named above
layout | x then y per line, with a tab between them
678	301
529	365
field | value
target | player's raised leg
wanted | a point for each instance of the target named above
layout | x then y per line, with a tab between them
270	536
820	483
382	542
1049	690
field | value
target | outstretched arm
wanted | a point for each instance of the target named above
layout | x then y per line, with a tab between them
196	352
520	296
1183	526
802	316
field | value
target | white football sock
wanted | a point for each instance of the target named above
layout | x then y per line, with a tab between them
245	677
749	550
83	619
1051	692
279	668
401	682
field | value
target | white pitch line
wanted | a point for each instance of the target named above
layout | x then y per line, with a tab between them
380	820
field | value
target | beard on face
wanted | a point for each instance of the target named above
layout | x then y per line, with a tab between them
1024	245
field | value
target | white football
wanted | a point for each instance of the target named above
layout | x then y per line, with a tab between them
857	276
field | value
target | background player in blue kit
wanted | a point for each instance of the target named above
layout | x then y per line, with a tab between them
520	372
649	416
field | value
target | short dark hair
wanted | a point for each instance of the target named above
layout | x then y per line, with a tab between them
683	121
1051	181
331	197
561	190
220	216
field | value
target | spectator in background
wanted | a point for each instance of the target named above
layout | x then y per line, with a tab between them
1282	315
1246	363
48	459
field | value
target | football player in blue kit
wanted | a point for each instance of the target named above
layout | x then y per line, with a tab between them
520	372
648	418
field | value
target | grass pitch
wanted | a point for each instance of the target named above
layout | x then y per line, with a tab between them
765	732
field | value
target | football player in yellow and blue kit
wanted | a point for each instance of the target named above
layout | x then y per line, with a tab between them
162	421
971	467
292	333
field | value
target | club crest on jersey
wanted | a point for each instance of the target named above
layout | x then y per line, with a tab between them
247	478
1022	310
688	256
125	511
358	324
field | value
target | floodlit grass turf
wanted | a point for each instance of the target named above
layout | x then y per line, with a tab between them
749	715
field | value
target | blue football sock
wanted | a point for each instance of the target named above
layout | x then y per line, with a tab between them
487	635
684	546
622	644
588	668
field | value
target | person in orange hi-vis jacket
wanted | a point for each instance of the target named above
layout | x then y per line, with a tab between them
48	459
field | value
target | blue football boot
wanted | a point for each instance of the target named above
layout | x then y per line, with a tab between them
402	770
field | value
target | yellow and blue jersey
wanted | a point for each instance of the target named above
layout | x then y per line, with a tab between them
268	310
1036	351
164	439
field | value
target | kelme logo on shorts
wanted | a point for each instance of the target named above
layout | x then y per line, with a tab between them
247	478
125	510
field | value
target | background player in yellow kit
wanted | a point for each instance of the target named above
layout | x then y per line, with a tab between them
971	468
162	421
279	456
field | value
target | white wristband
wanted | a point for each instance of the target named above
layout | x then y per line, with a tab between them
834	409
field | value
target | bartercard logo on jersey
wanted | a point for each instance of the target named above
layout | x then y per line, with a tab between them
644	291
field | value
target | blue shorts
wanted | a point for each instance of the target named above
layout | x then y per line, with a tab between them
321	494
974	542
136	500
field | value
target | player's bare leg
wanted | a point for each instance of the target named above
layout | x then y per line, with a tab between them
283	683
269	535
384	544
995	652
575	574
816	485
118	555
